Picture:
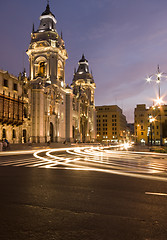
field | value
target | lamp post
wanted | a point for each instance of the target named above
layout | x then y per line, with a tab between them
157	77
151	120
137	133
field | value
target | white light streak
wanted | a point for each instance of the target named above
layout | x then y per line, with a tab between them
131	164
157	194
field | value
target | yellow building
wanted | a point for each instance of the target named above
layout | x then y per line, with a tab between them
151	124
14	108
111	124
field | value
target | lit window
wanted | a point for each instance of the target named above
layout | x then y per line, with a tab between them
42	69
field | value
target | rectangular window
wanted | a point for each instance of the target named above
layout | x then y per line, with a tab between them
15	86
5	83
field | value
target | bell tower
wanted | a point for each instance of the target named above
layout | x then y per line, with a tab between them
47	57
83	86
47	53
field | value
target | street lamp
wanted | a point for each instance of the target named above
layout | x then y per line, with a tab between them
137	132
157	77
151	120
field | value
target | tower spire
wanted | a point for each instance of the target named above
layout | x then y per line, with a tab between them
33	29
61	35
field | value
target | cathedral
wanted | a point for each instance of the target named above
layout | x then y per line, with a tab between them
50	109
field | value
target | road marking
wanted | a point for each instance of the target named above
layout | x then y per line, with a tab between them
157	194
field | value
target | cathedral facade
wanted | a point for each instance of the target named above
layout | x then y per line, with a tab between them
58	112
43	108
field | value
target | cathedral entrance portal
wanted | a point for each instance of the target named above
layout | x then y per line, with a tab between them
51	131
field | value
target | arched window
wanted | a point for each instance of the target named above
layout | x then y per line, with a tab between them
4	133
60	70
51	132
14	134
25	112
42	69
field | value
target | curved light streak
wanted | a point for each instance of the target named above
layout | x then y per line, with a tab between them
85	155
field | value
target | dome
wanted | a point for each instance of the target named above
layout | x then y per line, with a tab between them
47	11
83	59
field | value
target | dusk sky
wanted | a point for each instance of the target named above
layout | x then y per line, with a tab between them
123	40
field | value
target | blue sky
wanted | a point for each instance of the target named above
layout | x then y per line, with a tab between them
123	40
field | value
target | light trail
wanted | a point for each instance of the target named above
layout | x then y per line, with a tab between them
156	194
97	159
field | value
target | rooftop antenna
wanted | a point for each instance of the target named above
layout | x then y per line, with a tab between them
47	2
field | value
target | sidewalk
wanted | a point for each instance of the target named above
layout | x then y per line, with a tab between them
141	148
35	146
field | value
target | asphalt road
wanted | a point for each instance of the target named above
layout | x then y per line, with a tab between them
59	203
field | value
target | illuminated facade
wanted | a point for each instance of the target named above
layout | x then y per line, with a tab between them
47	56
111	124
84	113
43	108
151	124
15	124
58	113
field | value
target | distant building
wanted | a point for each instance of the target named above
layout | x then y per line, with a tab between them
130	132
151	124
111	124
